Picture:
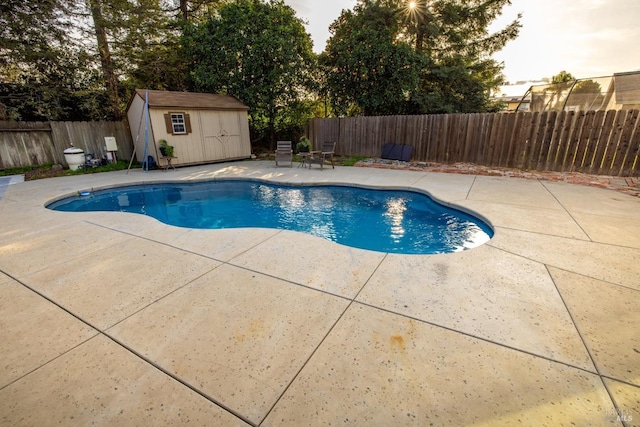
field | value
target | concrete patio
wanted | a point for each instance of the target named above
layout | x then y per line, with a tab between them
118	319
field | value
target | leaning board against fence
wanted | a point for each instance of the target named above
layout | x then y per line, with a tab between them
594	142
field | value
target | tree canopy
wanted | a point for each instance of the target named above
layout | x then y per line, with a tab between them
40	65
81	59
256	51
366	66
562	77
447	69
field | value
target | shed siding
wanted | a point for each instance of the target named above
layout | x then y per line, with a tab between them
187	148
216	134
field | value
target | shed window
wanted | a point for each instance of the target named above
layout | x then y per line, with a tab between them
177	123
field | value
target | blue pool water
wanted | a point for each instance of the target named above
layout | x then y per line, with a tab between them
393	221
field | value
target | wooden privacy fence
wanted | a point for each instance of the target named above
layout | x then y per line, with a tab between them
36	143
594	142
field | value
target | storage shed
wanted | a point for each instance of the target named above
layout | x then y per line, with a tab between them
202	127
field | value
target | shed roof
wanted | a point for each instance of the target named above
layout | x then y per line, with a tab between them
205	101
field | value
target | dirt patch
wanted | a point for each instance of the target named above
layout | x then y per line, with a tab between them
626	185
43	173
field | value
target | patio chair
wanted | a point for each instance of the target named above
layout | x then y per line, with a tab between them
328	149
284	153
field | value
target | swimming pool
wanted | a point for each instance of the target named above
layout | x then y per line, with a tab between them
395	221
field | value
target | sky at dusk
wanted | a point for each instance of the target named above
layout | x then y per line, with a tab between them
587	38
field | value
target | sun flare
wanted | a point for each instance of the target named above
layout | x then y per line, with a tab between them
414	9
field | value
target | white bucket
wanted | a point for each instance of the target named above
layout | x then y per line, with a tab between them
74	157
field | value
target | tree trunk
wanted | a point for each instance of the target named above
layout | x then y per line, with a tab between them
419	40
110	79
184	9
272	134
272	112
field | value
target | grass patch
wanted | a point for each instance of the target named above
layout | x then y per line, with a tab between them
20	171
350	161
110	167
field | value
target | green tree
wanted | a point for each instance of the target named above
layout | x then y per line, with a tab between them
366	67
104	52
145	37
451	51
555	94
81	59
138	45
69	88
454	36
562	77
190	11
29	29
44	73
146	46
47	70
256	51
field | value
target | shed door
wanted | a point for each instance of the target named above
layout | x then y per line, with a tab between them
221	135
